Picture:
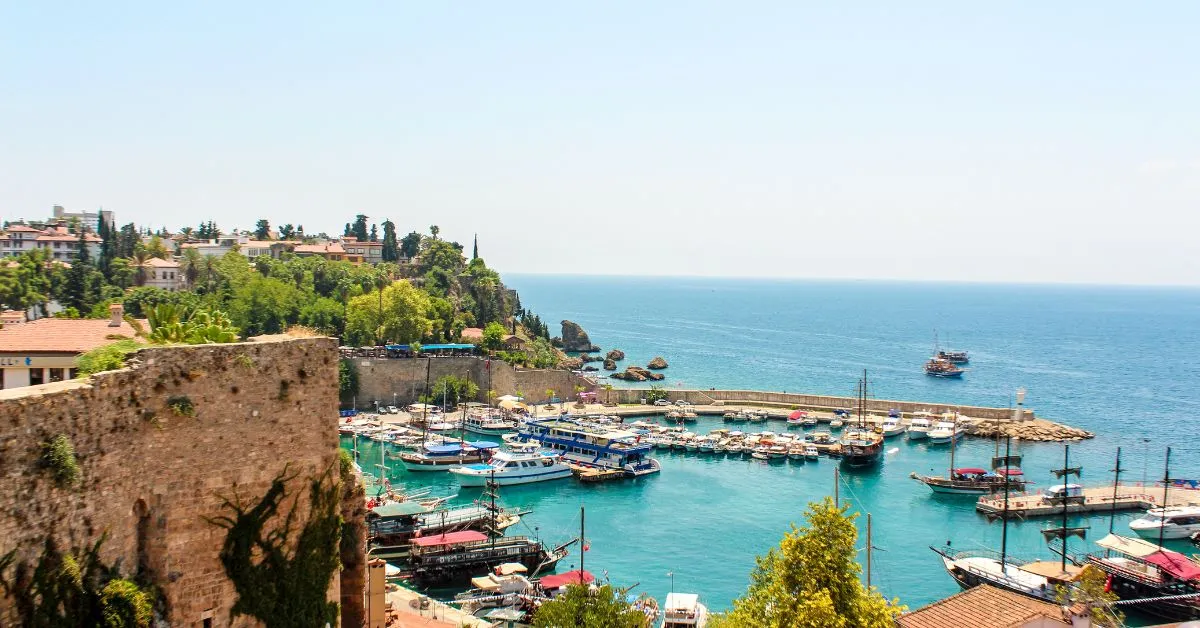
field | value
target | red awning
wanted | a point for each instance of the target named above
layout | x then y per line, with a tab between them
970	471
466	536
1007	471
798	414
1175	564
571	577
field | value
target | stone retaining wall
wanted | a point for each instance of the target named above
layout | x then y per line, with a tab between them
151	477
403	379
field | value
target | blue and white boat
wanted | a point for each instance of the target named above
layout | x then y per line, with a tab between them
593	445
442	457
513	468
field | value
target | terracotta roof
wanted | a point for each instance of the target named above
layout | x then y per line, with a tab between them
984	606
67	238
61	335
160	263
258	244
320	249
23	228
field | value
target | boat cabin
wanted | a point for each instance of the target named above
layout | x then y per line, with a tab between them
1058	493
683	610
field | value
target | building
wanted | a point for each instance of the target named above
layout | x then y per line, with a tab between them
371	252
986	606
91	220
162	273
62	244
43	351
332	251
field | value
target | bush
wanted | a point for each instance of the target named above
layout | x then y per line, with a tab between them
109	357
182	406
125	605
58	455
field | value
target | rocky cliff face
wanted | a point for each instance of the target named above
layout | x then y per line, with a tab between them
575	339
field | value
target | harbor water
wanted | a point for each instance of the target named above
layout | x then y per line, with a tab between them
1122	362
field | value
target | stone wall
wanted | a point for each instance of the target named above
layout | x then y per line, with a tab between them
150	477
380	379
809	402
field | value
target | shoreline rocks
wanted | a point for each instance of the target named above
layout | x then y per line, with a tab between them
657	363
575	339
1036	430
610	365
637	374
615	355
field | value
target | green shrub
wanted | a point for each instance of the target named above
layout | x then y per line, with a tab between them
58	455
125	605
182	406
109	357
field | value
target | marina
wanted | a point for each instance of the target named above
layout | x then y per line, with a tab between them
1091	499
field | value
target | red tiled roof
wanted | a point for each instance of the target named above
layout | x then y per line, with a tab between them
61	335
983	606
23	228
320	249
161	263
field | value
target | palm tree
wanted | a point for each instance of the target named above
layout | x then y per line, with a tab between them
190	263
187	233
433	229
138	261
608	388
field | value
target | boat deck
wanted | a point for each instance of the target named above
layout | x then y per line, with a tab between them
596	474
1094	499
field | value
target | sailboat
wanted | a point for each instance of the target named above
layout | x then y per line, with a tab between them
973	480
861	446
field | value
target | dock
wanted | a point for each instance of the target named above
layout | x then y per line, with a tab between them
1094	499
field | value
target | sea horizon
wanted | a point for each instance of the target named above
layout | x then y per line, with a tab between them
864	280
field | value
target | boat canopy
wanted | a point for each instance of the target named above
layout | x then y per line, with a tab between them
484	444
1009	472
508	569
1175	564
443	449
1128	546
576	576
449	538
681	601
970	471
798	414
399	509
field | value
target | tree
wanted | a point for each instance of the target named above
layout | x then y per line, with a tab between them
286	231
811	579
374	234
347	380
324	315
397	314
170	325
391	249
157	248
190	264
604	607
493	336
410	245
434	230
359	229
83	281
262	229
1089	590
265	305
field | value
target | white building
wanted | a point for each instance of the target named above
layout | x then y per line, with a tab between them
45	350
58	240
163	273
90	219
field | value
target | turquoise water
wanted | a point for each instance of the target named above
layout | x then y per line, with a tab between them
1122	362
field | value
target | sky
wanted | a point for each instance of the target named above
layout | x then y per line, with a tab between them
1018	142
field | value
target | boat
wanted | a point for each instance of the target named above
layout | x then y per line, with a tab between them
937	367
705	445
391	526
1179	522
945	432
506	469
761	452
953	357
592	445
796	452
1142	574
837	423
684	610
974	481
862	446
797	418
811	452
919	426
809	421
503	586
486	425
777	453
442	457
687	415
892	427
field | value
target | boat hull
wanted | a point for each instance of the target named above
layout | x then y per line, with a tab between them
481	479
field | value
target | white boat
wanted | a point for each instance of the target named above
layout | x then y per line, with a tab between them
918	427
705	445
892	427
488	425
796	452
836	423
513	468
1172	523
684	610
945	431
811	452
762	452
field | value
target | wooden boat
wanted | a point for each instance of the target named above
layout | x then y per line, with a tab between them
861	446
937	367
811	452
1142	574
796	452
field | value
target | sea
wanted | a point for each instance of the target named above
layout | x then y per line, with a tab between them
1123	362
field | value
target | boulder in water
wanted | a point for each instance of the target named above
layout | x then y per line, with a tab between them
574	339
657	363
609	365
615	355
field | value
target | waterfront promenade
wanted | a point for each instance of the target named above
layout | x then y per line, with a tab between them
1129	496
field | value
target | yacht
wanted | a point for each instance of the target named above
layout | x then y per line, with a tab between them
593	445
506	469
442	457
1168	523
488	425
684	610
918	427
892	427
944	432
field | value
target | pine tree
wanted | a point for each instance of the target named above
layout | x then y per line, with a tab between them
475	249
262	229
391	250
374	234
360	228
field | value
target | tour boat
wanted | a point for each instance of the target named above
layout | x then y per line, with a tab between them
796	452
892	427
777	453
761	452
450	559
861	446
1167	523
706	445
954	357
503	586
512	468
974	481
684	610
1149	578
937	367
1037	579
797	418
593	445
442	457
837	423
945	432
811	452
487	425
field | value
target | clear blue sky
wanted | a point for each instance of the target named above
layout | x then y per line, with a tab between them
1024	141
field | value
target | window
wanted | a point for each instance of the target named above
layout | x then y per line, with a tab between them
36	377
73	373
56	375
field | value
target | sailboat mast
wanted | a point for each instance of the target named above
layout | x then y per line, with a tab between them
1004	527
1166	483
1066	465
425	406
868	550
582	543
1112	515
953	434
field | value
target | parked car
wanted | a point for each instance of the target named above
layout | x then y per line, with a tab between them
393	410
662	402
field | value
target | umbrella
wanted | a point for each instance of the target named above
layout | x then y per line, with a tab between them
508	398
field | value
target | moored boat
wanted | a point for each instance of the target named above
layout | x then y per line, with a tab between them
919	426
1179	522
684	610
945	432
442	457
892	427
507	469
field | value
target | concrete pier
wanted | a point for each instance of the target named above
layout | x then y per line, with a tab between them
1095	499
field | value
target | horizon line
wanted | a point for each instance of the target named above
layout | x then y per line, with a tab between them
784	278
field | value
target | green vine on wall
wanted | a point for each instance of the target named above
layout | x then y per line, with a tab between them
281	566
58	455
182	406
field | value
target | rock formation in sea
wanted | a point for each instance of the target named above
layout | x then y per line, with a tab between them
571	363
575	339
610	365
615	355
657	363
586	357
637	374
